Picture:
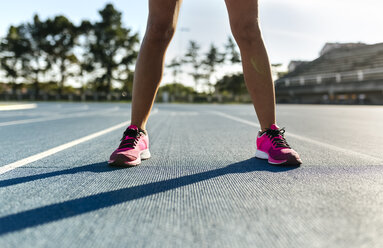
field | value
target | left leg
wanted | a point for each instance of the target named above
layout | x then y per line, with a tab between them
271	144
243	15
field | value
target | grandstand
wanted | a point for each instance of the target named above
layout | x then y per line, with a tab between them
344	73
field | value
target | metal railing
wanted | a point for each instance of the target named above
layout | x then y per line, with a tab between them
338	77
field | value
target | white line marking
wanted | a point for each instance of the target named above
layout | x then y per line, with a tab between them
236	119
57	117
182	113
305	139
59	148
18	107
43	112
65	146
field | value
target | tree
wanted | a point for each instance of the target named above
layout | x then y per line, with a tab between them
231	49
212	60
34	62
232	84
11	48
22	52
84	55
32	49
112	48
176	89
175	65
192	57
60	39
55	49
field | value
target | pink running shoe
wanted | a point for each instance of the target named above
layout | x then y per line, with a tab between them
271	145
134	146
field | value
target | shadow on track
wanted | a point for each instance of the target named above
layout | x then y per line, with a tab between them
95	168
70	208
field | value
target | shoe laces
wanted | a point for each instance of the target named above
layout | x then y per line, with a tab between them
130	138
277	137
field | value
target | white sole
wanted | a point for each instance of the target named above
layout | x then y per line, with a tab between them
145	154
264	155
261	155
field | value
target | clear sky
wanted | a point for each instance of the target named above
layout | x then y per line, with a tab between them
292	29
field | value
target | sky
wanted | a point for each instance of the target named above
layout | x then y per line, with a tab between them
292	29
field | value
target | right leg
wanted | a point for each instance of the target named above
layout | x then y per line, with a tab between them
162	21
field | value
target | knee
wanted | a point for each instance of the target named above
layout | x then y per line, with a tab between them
159	31
246	31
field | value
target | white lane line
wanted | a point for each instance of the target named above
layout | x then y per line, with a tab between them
18	107
183	113
57	117
59	148
236	119
305	139
65	146
42	111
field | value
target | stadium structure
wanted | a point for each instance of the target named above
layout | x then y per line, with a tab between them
349	73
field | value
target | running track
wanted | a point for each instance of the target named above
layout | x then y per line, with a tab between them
201	188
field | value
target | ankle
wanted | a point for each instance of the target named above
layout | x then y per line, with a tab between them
140	126
265	127
143	131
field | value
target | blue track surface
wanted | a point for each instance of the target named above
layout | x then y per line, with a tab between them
201	188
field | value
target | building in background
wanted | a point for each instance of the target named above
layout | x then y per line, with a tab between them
331	46
343	73
294	64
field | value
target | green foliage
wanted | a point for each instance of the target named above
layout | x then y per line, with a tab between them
213	58
192	57
47	53
60	39
232	84
11	48
175	65
231	49
176	89
205	67
57	49
112	48
34	60
33	49
86	66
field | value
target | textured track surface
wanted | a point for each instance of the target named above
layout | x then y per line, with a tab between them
201	188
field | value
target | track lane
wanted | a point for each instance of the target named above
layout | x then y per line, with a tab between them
202	186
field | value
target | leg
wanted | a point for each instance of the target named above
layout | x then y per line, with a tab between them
243	15
271	144
160	29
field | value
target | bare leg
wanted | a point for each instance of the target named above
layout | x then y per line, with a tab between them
162	21
243	15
